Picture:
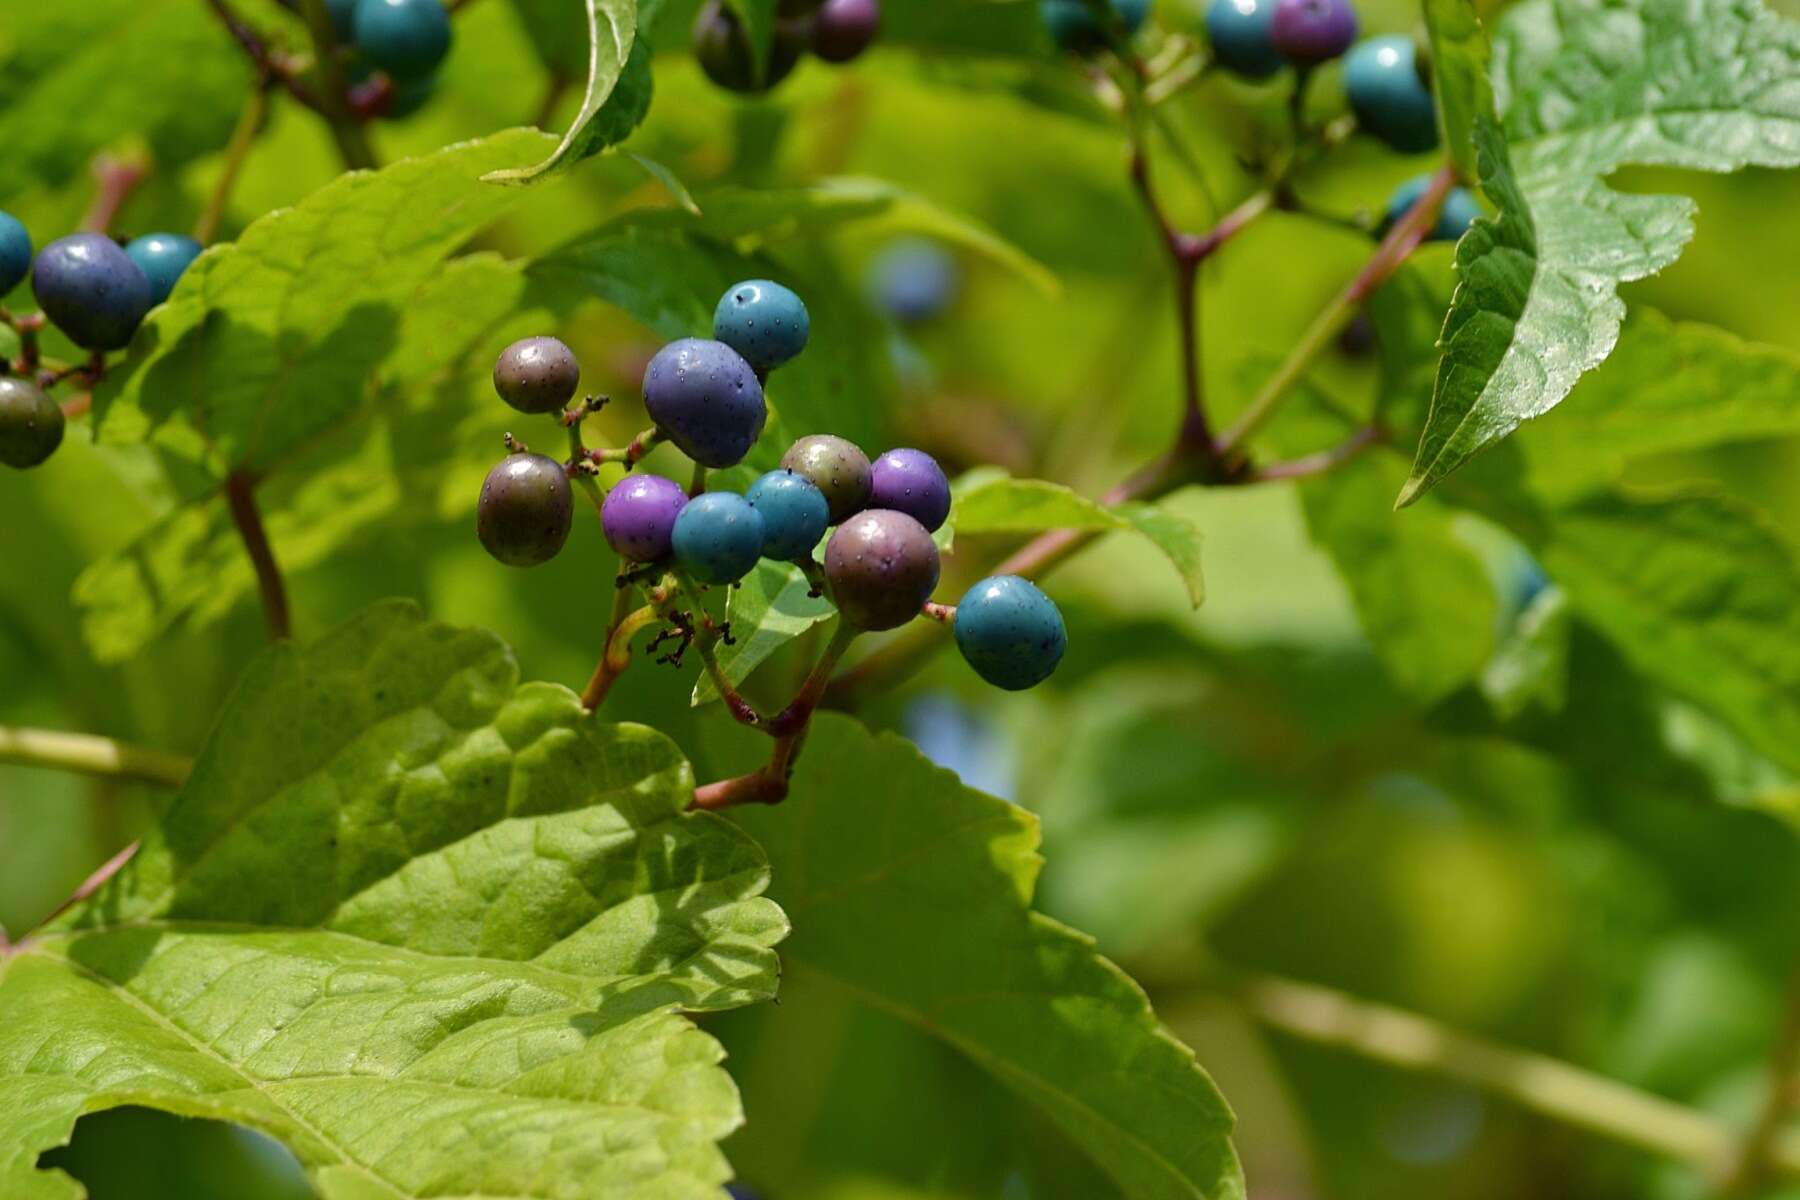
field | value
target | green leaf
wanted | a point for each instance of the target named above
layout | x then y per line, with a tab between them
431	928
913	893
615	101
1530	667
1585	87
771	607
998	504
1459	73
671	182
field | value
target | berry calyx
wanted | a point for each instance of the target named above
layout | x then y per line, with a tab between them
537	374
31	423
880	569
1072	26
638	517
837	468
723	49
718	537
1010	632
843	29
15	252
1459	210
763	321
1390	99
163	257
794	513
91	290
1309	32
1243	37
706	399
405	38
525	510
910	481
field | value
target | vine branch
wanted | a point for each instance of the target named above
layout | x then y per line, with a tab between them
91	754
1761	1154
240	493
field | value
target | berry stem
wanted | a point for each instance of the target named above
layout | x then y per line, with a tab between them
240	493
346	131
615	652
1759	1156
114	180
697	484
943	614
92	755
1324	460
269	64
243	137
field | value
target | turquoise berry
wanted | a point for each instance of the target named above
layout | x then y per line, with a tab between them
405	38
162	257
1242	36
794	514
763	321
343	18
1072	25
1010	632
1458	212
718	537
15	252
1391	101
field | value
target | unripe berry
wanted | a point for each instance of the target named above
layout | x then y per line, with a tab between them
1309	32
163	258
537	375
1243	37
794	514
706	399
1010	632
843	29
763	321
1391	101
91	290
880	569
718	537
914	280
405	38
31	423
722	47
638	516
1072	25
910	481
15	252
1458	212
837	468
525	511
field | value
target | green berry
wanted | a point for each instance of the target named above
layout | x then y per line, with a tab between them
31	423
525	511
837	468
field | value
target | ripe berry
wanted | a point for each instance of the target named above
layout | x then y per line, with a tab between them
1381	78
837	468
910	481
843	29
722	46
1010	632
537	374
638	516
913	280
162	257
525	510
31	423
880	569
718	537
1309	32
794	514
1458	212
1243	37
706	399
405	38
91	290
1072	25
763	321
15	252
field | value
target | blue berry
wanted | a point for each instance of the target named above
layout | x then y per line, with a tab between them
706	399
1072	25
1458	212
1010	632
718	537
1243	39
405	38
1309	32
1381	78
15	252
763	321
914	280
91	290
910	481
794	513
162	257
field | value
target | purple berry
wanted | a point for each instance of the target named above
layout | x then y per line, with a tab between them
910	481
638	516
537	374
706	399
1309	32
880	569
91	290
843	29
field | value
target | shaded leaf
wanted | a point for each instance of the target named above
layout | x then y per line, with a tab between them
771	607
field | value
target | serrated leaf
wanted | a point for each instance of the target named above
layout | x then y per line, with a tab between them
1459	76
1585	87
913	894
431	928
1000	504
770	608
615	100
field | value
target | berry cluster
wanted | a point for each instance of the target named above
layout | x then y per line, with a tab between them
393	50
880	564
836	31
97	293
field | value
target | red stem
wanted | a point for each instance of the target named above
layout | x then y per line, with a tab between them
240	493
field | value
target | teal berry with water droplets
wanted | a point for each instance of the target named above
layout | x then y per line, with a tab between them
163	258
31	423
15	252
794	512
718	537
1010	632
405	38
763	321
